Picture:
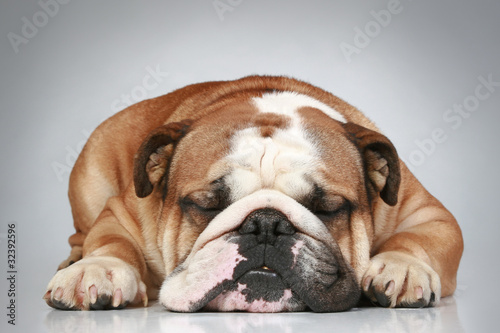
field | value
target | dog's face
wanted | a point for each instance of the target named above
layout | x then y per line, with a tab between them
265	204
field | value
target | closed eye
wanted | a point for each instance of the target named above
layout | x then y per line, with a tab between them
204	206
327	207
328	215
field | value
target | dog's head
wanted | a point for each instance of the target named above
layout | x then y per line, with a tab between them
266	204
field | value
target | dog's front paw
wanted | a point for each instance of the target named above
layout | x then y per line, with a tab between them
96	283
396	279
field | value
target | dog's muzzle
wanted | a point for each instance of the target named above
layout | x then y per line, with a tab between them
264	253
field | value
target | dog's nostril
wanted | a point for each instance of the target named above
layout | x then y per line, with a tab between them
267	224
249	227
285	227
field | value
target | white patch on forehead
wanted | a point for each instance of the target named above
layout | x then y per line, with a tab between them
287	103
283	161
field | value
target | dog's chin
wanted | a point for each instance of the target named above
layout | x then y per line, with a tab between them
258	290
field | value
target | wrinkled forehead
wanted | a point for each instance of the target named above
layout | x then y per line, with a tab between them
270	140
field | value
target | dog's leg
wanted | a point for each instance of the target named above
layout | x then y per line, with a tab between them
415	260
112	270
74	255
92	182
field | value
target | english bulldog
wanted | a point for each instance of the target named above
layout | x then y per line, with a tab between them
262	194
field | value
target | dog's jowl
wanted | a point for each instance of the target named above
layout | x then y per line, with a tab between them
263	194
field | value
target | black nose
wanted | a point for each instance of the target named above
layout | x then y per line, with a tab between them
267	224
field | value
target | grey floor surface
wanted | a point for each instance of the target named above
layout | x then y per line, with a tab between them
444	318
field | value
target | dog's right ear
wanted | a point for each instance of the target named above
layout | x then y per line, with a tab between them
151	160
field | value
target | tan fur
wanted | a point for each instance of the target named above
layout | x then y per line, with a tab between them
146	233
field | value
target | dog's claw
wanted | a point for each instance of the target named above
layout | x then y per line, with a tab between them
117	298
93	294
46	297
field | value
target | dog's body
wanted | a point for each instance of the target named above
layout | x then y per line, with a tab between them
262	194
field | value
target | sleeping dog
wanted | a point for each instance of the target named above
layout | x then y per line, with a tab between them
263	194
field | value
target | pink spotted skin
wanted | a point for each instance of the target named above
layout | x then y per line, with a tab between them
295	250
211	267
236	301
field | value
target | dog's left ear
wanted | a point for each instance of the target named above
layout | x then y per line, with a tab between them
151	160
380	160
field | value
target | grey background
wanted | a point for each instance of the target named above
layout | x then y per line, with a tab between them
72	73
